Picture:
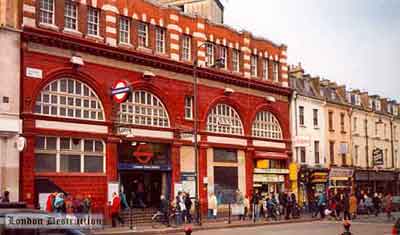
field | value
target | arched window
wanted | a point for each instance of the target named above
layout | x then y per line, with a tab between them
143	108
224	119
266	125
70	98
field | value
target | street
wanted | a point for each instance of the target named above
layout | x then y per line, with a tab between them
309	228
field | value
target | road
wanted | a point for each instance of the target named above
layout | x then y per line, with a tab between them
309	228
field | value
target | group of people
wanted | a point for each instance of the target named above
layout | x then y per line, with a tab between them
59	203
351	205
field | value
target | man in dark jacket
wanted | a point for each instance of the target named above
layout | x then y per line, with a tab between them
377	204
164	208
346	207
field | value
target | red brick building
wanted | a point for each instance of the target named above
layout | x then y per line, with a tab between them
79	139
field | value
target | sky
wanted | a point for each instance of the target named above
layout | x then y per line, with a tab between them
352	42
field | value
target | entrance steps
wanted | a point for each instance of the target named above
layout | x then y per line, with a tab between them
140	216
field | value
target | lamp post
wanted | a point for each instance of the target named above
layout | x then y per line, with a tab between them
218	63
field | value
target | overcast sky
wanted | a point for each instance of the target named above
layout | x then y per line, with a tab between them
353	42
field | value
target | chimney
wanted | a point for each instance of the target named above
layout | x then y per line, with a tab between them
296	71
364	99
342	91
316	84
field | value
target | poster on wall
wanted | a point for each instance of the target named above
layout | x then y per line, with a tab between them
112	187
189	184
377	156
43	200
177	188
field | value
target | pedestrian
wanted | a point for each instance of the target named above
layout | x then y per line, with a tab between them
353	206
246	207
212	206
59	204
339	205
289	206
321	204
77	205
124	202
164	209
333	208
240	204
87	204
188	205
388	205
377	204
368	204
346	207
50	202
115	210
6	197
254	204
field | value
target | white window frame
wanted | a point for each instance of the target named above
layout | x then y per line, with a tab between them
224	56
58	152
124	30
46	10
93	22
77	99
143	35
186	48
160	40
355	119
209	46
71	14
189	107
236	60
224	119
145	109
316	117
275	71
265	69
253	65
356	158
266	125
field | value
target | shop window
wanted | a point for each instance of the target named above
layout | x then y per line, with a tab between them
225	183
69	98
143	108
302	154
46	13
64	154
266	125
224	119
224	155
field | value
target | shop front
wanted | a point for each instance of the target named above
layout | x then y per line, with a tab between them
312	181
340	180
371	181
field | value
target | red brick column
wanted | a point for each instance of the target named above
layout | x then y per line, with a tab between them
249	170
27	167
112	158
176	166
203	173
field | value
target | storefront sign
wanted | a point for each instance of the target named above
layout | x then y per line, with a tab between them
319	177
271	171
268	178
113	187
340	172
374	176
377	156
189	183
143	153
293	171
133	166
120	91
301	141
34	73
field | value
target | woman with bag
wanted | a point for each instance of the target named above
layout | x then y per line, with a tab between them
240	204
212	206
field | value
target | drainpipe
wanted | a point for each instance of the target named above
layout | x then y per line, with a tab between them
295	119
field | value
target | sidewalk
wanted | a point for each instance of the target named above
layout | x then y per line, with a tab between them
208	225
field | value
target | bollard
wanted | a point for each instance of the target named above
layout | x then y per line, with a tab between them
229	213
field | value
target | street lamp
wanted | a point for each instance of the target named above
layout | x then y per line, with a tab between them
219	63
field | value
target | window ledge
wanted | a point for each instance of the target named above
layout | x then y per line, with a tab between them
144	49
237	73
316	127
189	119
331	130
49	26
124	44
70	174
343	132
94	37
72	31
161	54
303	126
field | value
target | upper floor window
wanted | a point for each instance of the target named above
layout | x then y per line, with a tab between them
69	98
223	57
235	60
378	105
384	130
330	120
224	119
266	125
355	124
301	115
186	47
70	15
143	108
209	54
189	107
396	110
253	65
46	14
356	147
315	117
160	40
124	30
332	152
316	152
265	69
65	154
275	71
342	126
303	154
93	21
143	34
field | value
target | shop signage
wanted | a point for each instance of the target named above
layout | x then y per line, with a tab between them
293	171
120	91
319	177
189	183
133	166
268	178
271	171
34	73
301	141
374	176
377	156
143	153
340	172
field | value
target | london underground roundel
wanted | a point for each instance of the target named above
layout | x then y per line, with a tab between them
120	91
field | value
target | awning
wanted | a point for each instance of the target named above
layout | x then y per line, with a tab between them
270	155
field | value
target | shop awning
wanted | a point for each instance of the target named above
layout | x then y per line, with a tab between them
270	155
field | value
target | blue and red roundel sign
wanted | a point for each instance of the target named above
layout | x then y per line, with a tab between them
120	91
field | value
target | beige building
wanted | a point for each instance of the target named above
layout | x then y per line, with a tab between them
212	10
10	124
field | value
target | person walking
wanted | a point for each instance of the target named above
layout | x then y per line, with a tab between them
321	204
353	206
388	205
212	206
346	207
240	204
50	202
59	204
256	198
246	207
377	204
164	209
115	209
188	205
87	204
